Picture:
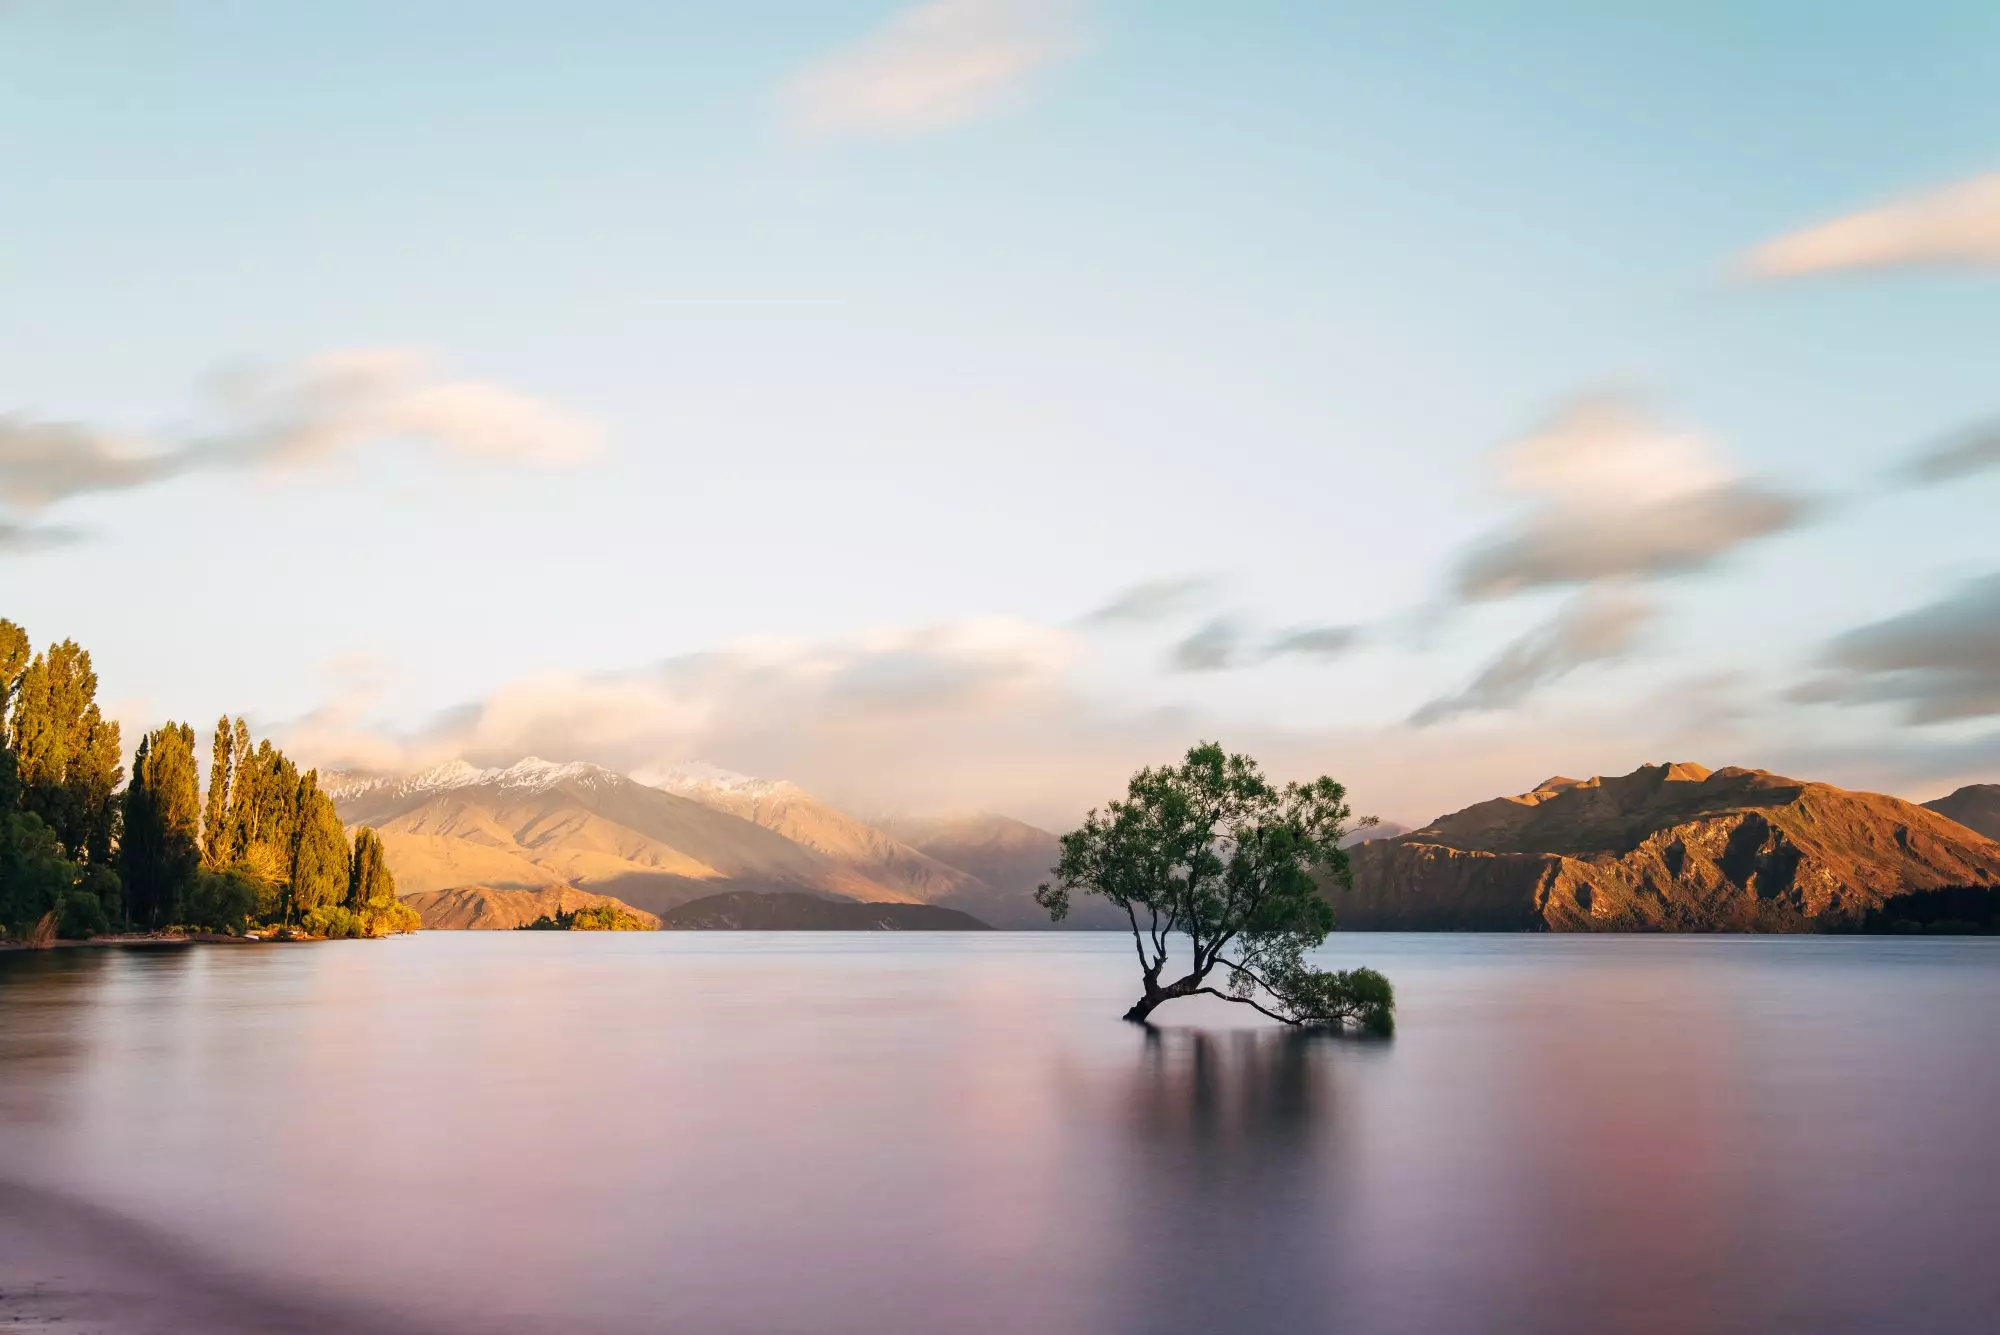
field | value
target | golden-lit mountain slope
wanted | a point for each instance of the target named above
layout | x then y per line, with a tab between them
484	908
1665	848
900	873
536	824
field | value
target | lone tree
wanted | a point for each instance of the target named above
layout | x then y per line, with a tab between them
1212	853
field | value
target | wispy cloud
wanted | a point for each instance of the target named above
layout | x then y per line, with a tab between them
1210	648
1616	495
1940	662
1321	642
1958	225
17	538
933	65
1153	601
1598	625
294	418
1960	455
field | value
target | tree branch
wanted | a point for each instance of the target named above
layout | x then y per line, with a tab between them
1138	947
1251	1002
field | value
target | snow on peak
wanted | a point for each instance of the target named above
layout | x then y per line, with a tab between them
698	776
532	773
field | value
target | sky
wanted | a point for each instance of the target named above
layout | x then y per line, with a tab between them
959	404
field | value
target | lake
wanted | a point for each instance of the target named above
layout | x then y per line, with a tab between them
925	1133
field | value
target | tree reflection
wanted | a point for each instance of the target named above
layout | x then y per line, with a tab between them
1259	1090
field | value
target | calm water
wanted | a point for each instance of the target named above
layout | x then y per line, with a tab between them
888	1133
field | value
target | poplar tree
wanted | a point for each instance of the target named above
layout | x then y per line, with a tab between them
370	885
320	875
161	850
66	752
13	661
263	811
217	852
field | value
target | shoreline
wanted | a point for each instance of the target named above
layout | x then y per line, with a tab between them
70	1264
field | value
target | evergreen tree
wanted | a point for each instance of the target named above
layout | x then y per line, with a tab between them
217	852
320	875
162	849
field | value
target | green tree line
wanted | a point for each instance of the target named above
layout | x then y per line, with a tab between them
597	918
262	847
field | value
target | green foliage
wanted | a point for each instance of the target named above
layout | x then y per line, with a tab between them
81	914
34	875
1211	853
320	855
594	918
337	920
161	849
265	845
13	660
263	818
226	901
216	849
66	753
370	882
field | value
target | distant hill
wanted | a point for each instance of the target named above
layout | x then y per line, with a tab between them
892	869
1665	848
1009	859
535	824
482	908
1975	806
1387	829
743	911
690	833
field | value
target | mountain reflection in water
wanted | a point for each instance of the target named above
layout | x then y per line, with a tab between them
891	1133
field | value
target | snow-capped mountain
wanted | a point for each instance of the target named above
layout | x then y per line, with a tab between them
696	777
654	839
532	773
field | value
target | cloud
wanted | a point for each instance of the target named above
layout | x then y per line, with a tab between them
686	707
1958	225
1615	495
1940	662
932	66
289	419
1211	648
45	462
1153	601
19	539
1596	626
1322	642
1960	455
326	405
1002	721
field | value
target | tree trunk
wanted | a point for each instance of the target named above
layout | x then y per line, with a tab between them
1157	996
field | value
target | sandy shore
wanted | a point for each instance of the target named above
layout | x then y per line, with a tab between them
67	1265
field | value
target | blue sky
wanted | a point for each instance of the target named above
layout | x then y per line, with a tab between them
893	339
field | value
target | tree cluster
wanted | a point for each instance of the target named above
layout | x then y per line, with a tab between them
263	847
594	918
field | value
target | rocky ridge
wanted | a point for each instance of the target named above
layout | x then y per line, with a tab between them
1673	847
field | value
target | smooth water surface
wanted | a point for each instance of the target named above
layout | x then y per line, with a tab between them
920	1133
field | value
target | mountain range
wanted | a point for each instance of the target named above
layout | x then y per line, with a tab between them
464	841
1669	848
